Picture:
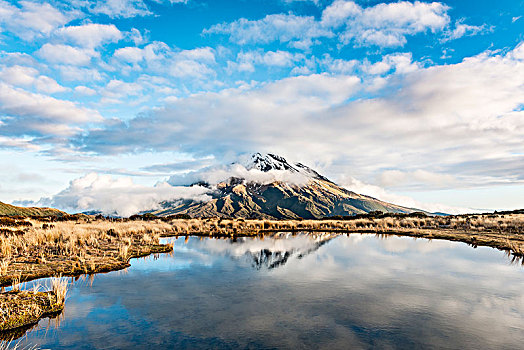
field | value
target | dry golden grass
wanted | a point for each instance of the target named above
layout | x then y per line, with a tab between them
30	248
75	247
87	245
59	288
503	231
25	307
513	224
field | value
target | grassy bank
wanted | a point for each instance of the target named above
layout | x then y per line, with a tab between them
22	308
501	231
32	248
36	248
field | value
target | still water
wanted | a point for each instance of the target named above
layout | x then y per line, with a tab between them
331	292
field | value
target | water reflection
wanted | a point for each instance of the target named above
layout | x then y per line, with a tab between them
352	291
268	253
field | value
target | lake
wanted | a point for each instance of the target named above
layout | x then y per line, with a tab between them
298	292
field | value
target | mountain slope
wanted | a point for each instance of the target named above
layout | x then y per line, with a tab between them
307	195
11	210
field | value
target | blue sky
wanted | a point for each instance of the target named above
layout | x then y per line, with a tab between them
419	103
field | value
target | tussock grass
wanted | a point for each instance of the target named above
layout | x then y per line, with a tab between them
504	231
75	247
15	345
59	287
31	247
20	308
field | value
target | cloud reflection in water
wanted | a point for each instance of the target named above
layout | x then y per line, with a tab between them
347	292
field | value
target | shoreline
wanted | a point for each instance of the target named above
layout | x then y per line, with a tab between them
26	308
66	269
70	249
35	303
474	239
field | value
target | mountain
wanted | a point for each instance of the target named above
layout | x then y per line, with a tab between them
11	210
271	252
268	258
297	192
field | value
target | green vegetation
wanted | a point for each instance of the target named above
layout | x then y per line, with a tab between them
11	210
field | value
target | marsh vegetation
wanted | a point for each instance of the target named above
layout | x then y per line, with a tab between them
32	248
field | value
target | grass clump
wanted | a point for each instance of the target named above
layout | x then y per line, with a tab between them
19	308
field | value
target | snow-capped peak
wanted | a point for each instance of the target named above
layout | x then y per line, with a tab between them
268	162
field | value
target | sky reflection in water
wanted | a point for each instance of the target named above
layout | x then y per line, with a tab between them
357	292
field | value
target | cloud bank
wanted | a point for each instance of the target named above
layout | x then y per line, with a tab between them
383	25
399	94
120	196
217	174
327	119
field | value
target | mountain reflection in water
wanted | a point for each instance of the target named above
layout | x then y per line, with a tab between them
332	292
272	252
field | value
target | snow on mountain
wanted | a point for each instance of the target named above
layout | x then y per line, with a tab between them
268	162
268	186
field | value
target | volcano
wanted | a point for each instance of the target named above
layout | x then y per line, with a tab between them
298	192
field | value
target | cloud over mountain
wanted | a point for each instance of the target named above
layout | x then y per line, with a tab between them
415	96
120	196
313	116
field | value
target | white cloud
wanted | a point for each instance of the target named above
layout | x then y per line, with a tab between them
339	66
455	113
462	29
215	175
136	36
125	8
398	62
188	68
298	30
117	89
28	76
338	12
246	61
74	73
31	19
380	193
129	54
158	57
48	85
384	25
26	113
202	54
18	75
121	8
84	90
65	54
120	196
153	54
91	35
17	143
217	119
22	103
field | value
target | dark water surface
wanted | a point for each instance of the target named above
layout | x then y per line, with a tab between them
355	292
